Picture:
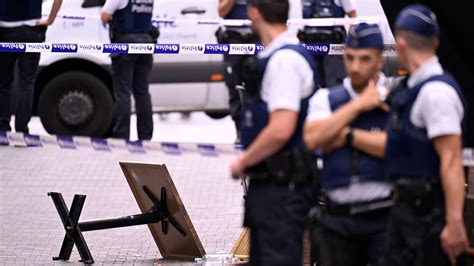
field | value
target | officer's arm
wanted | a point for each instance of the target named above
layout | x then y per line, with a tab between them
349	7
225	6
319	133
272	138
52	15
109	9
449	149
453	236
372	143
352	14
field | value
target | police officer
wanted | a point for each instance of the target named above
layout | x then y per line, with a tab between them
331	68
275	160
130	22
423	151
234	9
20	21
357	196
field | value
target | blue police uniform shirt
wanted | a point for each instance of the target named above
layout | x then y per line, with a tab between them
419	19
20	10
258	105
134	18
238	11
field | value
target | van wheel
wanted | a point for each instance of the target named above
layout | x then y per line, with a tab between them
76	103
217	114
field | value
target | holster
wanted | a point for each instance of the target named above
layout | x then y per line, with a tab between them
155	34
421	195
250	73
297	165
115	35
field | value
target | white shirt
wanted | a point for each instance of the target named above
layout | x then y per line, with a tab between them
113	5
288	77
437	107
347	5
319	109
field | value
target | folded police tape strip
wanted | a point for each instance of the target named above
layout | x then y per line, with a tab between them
314	22
141	48
110	145
139	147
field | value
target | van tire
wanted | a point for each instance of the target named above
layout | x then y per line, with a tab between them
217	114
76	103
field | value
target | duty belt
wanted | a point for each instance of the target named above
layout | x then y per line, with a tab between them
359	208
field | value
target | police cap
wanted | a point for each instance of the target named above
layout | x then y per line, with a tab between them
365	36
418	19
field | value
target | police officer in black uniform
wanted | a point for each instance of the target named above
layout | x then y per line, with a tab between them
423	152
279	167
20	21
331	68
234	9
130	22
357	196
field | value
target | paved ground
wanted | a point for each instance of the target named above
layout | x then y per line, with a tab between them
30	229
173	127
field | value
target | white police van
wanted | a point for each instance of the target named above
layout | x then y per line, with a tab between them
74	90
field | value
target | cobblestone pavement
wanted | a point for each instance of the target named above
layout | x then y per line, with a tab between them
31	232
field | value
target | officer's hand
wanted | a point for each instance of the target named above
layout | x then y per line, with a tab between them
44	22
369	99
454	239
237	168
105	17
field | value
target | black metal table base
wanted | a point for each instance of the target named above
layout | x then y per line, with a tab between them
70	219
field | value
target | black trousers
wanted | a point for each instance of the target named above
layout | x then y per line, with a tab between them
414	238
233	77
275	216
352	240
331	70
131	77
27	69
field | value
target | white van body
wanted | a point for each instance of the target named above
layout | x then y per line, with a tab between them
178	82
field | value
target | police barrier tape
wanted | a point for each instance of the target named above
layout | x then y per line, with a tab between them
314	22
110	145
143	147
140	48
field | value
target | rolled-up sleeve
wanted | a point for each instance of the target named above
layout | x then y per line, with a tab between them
319	107
288	78
438	109
113	5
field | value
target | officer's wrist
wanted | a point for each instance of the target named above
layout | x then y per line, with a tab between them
454	218
244	161
349	137
357	105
